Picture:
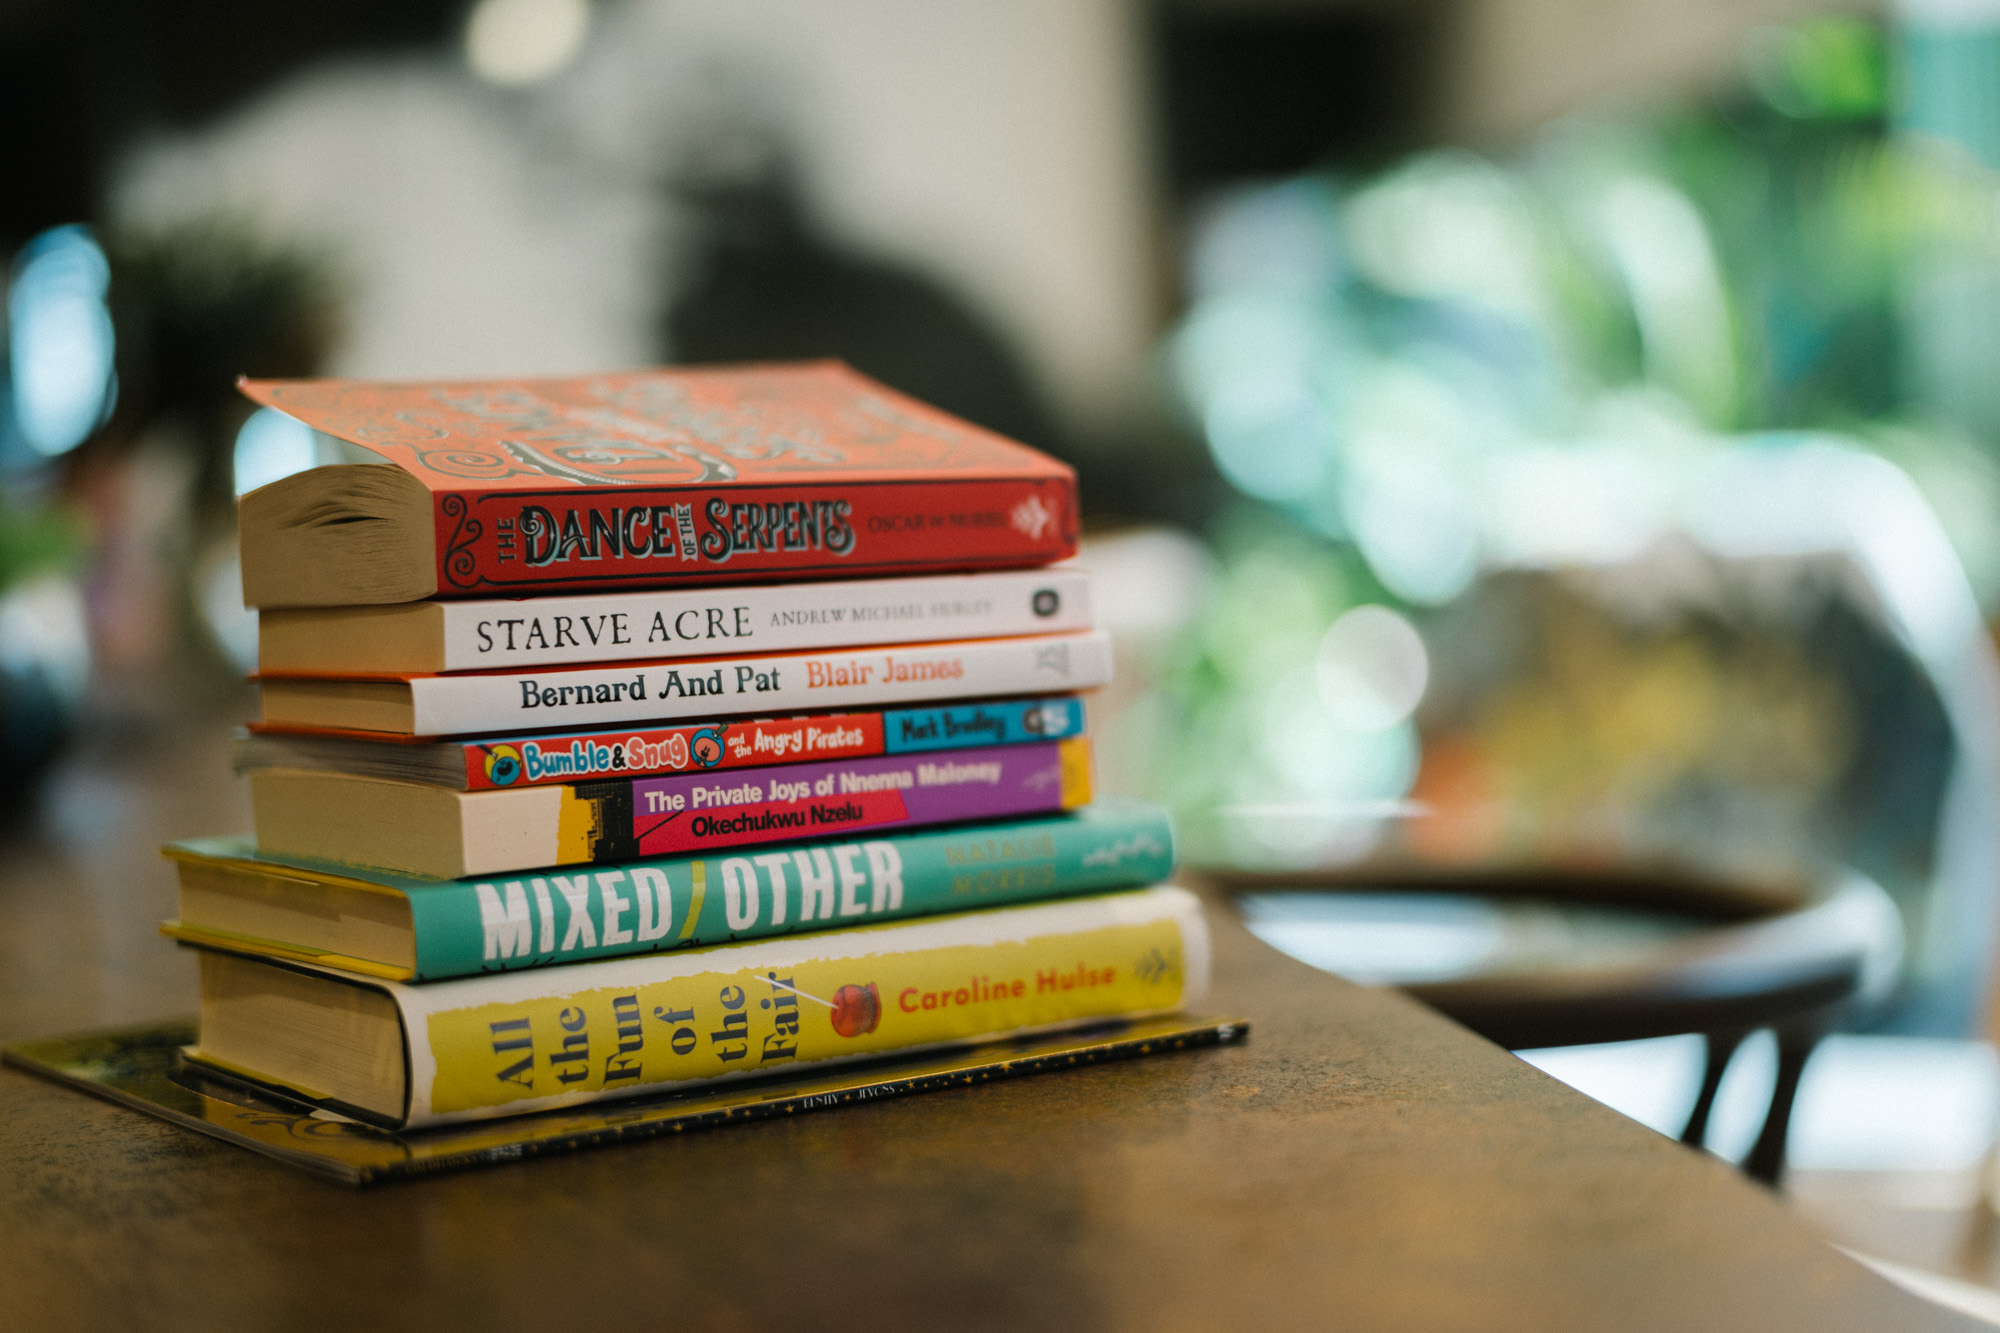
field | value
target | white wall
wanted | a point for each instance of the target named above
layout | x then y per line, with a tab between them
995	143
998	143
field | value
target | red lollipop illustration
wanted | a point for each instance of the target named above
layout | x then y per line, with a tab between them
856	1009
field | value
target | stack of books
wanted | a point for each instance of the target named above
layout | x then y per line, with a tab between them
626	732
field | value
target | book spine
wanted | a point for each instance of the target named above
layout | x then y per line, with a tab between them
468	926
561	631
1004	722
714	687
494	765
509	542
660	816
506	1045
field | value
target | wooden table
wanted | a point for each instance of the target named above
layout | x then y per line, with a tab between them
1361	1163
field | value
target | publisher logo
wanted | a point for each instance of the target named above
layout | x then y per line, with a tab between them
1031	518
1045	719
503	765
1046	602
707	747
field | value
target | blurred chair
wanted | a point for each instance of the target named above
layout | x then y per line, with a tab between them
1403	368
1538	959
1793	495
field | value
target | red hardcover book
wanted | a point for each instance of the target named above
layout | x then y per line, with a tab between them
638	479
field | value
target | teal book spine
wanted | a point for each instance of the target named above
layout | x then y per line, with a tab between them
465	927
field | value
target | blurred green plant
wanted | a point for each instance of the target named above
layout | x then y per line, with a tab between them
1465	364
36	539
1830	67
1358	352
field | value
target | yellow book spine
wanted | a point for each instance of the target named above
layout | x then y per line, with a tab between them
1073	758
743	1010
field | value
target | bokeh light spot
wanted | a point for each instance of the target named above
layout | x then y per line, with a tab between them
1372	669
519	42
60	340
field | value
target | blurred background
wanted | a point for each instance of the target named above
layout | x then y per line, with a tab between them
1513	433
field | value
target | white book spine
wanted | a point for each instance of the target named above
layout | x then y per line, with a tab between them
649	626
761	686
